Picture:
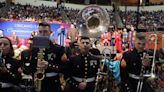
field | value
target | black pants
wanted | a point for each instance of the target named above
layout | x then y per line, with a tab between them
72	88
132	85
10	89
51	84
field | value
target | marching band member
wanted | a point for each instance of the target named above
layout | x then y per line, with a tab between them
54	58
82	68
10	68
133	65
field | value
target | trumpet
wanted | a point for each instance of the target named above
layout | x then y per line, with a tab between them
39	75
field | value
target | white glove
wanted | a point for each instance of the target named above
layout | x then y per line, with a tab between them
42	64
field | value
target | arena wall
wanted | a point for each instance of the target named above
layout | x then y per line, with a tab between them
76	6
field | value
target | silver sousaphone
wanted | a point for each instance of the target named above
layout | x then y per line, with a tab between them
92	21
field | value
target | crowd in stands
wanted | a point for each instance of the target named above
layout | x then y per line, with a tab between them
2	5
31	13
52	14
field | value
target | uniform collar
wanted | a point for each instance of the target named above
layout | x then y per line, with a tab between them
85	55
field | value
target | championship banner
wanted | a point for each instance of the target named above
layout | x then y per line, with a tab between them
24	29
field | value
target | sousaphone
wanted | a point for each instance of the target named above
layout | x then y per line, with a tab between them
92	21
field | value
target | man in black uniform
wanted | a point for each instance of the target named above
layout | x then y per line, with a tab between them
10	68
52	62
27	83
82	68
133	65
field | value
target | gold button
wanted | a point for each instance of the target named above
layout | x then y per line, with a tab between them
86	69
86	61
86	64
85	73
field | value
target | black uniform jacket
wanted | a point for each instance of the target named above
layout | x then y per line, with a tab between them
52	55
12	76
82	66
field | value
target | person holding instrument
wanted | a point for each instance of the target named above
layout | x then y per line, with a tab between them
10	68
133	66
52	60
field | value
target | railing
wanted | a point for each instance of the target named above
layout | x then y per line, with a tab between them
78	6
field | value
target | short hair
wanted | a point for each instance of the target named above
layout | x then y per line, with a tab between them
84	37
141	36
44	24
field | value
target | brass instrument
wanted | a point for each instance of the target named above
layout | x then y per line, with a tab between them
154	80
152	74
103	86
39	75
92	21
1	62
140	82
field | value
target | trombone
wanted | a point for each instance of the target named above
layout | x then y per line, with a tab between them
1	59
152	73
105	52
